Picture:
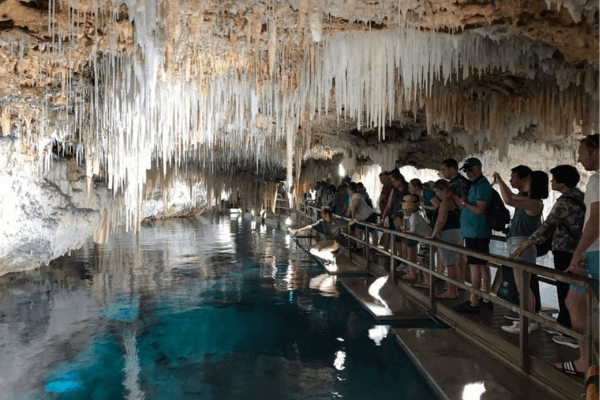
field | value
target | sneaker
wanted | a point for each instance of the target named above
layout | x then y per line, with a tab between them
487	305
467	308
553	333
565	340
513	316
516	327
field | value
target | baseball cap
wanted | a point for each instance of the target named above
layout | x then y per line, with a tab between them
471	162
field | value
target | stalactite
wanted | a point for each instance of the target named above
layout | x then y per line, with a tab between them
182	101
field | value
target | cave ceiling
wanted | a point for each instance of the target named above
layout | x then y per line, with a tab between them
262	87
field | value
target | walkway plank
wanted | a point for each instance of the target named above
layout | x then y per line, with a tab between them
454	366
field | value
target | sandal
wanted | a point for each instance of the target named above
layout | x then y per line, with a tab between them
421	285
568	367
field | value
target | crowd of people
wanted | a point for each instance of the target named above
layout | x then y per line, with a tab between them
456	210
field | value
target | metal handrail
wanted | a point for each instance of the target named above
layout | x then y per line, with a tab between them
520	267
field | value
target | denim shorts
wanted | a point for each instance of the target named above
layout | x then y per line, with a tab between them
590	268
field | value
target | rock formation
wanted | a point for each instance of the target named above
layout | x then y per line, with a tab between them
99	98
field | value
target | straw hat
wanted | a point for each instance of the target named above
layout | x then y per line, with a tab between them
409	206
411	197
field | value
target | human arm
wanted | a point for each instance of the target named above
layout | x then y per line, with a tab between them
588	237
432	198
478	207
480	194
531	206
545	231
304	230
441	220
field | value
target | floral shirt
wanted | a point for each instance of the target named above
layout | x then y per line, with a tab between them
565	221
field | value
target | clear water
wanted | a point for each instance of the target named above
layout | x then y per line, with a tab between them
217	308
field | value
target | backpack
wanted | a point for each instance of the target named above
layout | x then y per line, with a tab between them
498	216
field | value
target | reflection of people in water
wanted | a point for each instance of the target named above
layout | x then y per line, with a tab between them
330	229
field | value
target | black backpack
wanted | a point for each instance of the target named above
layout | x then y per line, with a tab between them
498	216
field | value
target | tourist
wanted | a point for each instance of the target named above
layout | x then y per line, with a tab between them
360	188
563	226
429	202
340	205
449	170
330	228
585	259
384	196
360	211
477	234
393	207
532	188
447	229
413	223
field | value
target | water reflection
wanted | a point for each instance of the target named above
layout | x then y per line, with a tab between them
211	308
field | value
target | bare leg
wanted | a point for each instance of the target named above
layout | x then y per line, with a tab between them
452	291
412	256
531	298
475	281
575	302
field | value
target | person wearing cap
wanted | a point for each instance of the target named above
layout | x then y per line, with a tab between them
477	234
413	223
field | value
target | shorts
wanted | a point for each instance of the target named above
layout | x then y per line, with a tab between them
411	243
451	236
529	255
371	218
590	268
477	244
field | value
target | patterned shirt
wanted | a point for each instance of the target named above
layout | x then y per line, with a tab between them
461	184
565	221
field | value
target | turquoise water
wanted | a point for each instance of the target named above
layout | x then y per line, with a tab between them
216	308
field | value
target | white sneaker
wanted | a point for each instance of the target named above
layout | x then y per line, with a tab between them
516	327
566	341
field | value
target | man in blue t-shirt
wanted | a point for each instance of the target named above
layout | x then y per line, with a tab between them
477	233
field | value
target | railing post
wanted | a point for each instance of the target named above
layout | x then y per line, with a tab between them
589	341
432	250
366	247
392	250
523	319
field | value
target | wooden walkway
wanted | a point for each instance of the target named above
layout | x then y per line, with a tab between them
483	328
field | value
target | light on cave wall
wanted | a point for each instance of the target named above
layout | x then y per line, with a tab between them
342	170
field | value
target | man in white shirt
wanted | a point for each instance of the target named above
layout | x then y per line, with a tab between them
585	258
